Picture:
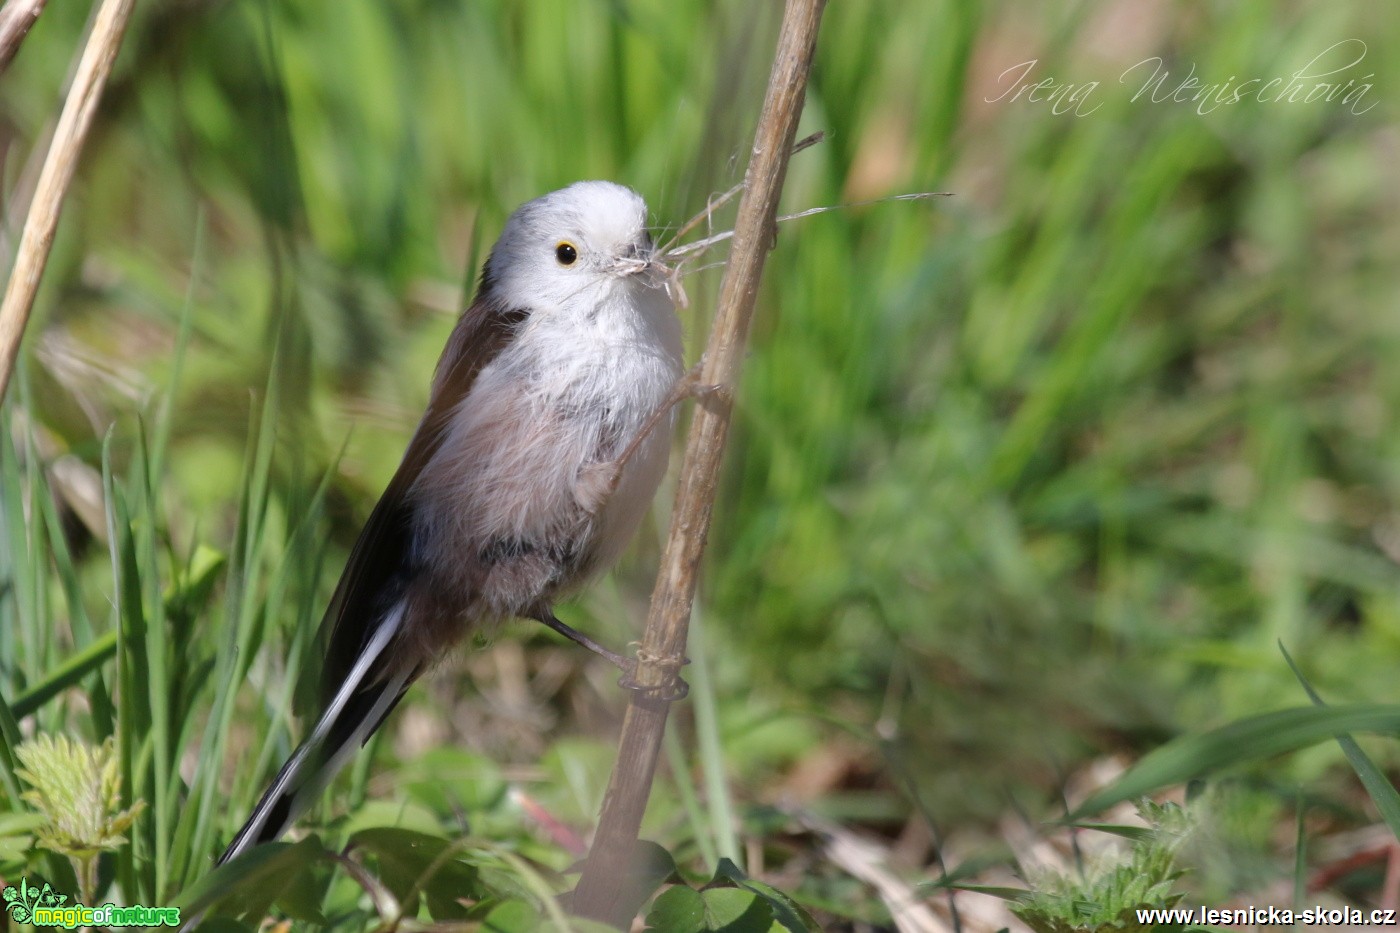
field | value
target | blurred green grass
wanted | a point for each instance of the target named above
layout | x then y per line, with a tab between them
1037	472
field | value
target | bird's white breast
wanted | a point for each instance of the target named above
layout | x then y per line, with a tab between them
574	386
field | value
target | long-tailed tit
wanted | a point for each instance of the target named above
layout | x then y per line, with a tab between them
530	471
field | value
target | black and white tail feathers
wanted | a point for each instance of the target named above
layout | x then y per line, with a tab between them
355	710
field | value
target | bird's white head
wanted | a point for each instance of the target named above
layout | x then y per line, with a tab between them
581	241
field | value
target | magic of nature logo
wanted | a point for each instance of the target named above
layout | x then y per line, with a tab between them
40	905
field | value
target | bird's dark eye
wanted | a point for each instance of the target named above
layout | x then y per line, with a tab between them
565	253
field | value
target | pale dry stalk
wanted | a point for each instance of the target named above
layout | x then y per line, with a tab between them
603	891
42	221
16	16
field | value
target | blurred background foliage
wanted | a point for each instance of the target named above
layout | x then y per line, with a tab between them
1023	476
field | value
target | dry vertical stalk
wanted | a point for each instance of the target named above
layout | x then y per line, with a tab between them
603	890
37	238
15	19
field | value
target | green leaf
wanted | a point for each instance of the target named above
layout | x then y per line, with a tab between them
303	901
223	925
737	910
411	862
20	824
15	849
652	866
726	908
786	912
250	884
390	814
513	916
678	909
1240	742
449	779
584	925
727	872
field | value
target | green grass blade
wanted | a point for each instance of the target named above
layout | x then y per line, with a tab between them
9	738
130	679
16	559
16	640
711	750
1300	850
1382	792
690	800
66	572
242	616
156	657
42	649
68	674
1241	742
165	414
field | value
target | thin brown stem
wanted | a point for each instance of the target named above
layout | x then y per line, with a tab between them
39	226
603	891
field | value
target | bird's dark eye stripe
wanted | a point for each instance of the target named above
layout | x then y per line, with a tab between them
565	253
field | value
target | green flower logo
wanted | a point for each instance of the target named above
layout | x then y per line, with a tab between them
21	901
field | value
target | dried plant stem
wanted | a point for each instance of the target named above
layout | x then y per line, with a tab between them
719	201
699	246
15	19
39	226
603	892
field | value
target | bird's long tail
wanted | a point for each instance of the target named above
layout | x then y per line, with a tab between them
356	710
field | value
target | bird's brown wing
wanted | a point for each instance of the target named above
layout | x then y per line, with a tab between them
380	558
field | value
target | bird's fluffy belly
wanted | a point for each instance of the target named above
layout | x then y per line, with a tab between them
503	509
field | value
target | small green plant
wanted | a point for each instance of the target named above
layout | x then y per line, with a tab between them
730	901
1110	898
77	788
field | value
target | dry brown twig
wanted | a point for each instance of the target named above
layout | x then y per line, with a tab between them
674	255
16	17
603	892
670	248
35	242
864	858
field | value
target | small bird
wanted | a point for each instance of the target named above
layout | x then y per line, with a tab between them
543	444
